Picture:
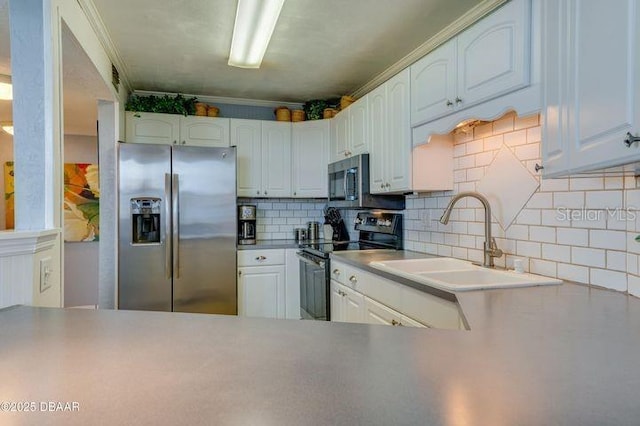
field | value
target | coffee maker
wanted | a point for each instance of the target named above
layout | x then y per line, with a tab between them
246	224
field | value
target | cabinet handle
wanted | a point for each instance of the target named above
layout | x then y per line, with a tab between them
175	142
394	323
258	192
294	194
382	186
458	100
630	140
265	192
336	272
449	103
353	279
538	167
239	273
261	258
184	142
388	185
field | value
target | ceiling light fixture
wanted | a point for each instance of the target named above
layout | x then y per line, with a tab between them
6	89
255	22
7	126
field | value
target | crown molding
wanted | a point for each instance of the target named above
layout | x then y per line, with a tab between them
100	29
224	100
456	27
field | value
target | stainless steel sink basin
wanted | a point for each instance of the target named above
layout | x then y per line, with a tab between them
459	275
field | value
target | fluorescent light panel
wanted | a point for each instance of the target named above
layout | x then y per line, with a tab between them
6	89
255	22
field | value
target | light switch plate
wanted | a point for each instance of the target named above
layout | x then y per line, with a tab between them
46	274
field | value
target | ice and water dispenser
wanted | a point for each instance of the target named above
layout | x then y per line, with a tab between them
145	218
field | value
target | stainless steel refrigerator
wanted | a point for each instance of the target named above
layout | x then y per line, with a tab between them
177	228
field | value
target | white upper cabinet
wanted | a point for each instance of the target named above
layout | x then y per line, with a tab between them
493	55
147	127
310	149
350	131
172	129
390	164
276	158
433	84
489	59
204	131
246	135
591	74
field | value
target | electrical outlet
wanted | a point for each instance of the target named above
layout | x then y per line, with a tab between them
46	274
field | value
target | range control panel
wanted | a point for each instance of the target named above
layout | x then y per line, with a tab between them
385	223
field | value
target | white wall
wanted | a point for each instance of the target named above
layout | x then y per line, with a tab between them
596	248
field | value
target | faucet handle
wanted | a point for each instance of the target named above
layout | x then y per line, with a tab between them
493	248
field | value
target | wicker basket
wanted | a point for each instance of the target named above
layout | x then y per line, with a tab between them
329	113
345	101
201	109
297	115
283	114
213	111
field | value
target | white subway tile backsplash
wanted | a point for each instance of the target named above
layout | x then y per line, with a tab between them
588	256
545	234
573	272
557	253
577	228
615	240
610	279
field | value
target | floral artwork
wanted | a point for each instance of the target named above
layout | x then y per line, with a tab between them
81	202
8	195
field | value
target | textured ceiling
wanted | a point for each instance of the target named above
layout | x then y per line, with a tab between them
319	49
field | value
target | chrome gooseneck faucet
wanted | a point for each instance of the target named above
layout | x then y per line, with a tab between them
491	249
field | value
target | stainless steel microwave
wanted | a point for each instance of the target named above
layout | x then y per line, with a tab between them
349	186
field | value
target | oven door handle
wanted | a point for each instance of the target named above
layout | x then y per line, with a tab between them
305	259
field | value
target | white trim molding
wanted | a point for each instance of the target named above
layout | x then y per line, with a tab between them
17	243
456	27
100	29
224	100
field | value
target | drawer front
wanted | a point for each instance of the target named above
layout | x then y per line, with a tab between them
260	257
338	272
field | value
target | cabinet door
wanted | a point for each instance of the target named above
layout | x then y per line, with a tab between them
246	135
204	131
604	97
261	291
433	84
379	139
337	302
310	149
145	127
398	159
340	144
377	313
494	54
353	306
358	127
276	159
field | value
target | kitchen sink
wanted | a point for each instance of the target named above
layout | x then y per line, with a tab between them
459	275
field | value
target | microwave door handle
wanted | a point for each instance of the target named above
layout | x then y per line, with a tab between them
345	185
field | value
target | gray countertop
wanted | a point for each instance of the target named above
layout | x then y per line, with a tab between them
564	354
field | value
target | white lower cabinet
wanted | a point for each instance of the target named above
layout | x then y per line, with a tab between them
292	284
347	305
261	283
368	298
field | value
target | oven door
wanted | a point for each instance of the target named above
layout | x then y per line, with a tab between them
314	287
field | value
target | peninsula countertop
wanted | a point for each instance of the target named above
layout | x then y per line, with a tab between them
564	354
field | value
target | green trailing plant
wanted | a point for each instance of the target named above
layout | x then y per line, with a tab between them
163	104
314	109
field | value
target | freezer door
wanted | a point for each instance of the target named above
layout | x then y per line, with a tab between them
204	251
144	271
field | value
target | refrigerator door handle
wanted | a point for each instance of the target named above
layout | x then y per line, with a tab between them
175	188
167	226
